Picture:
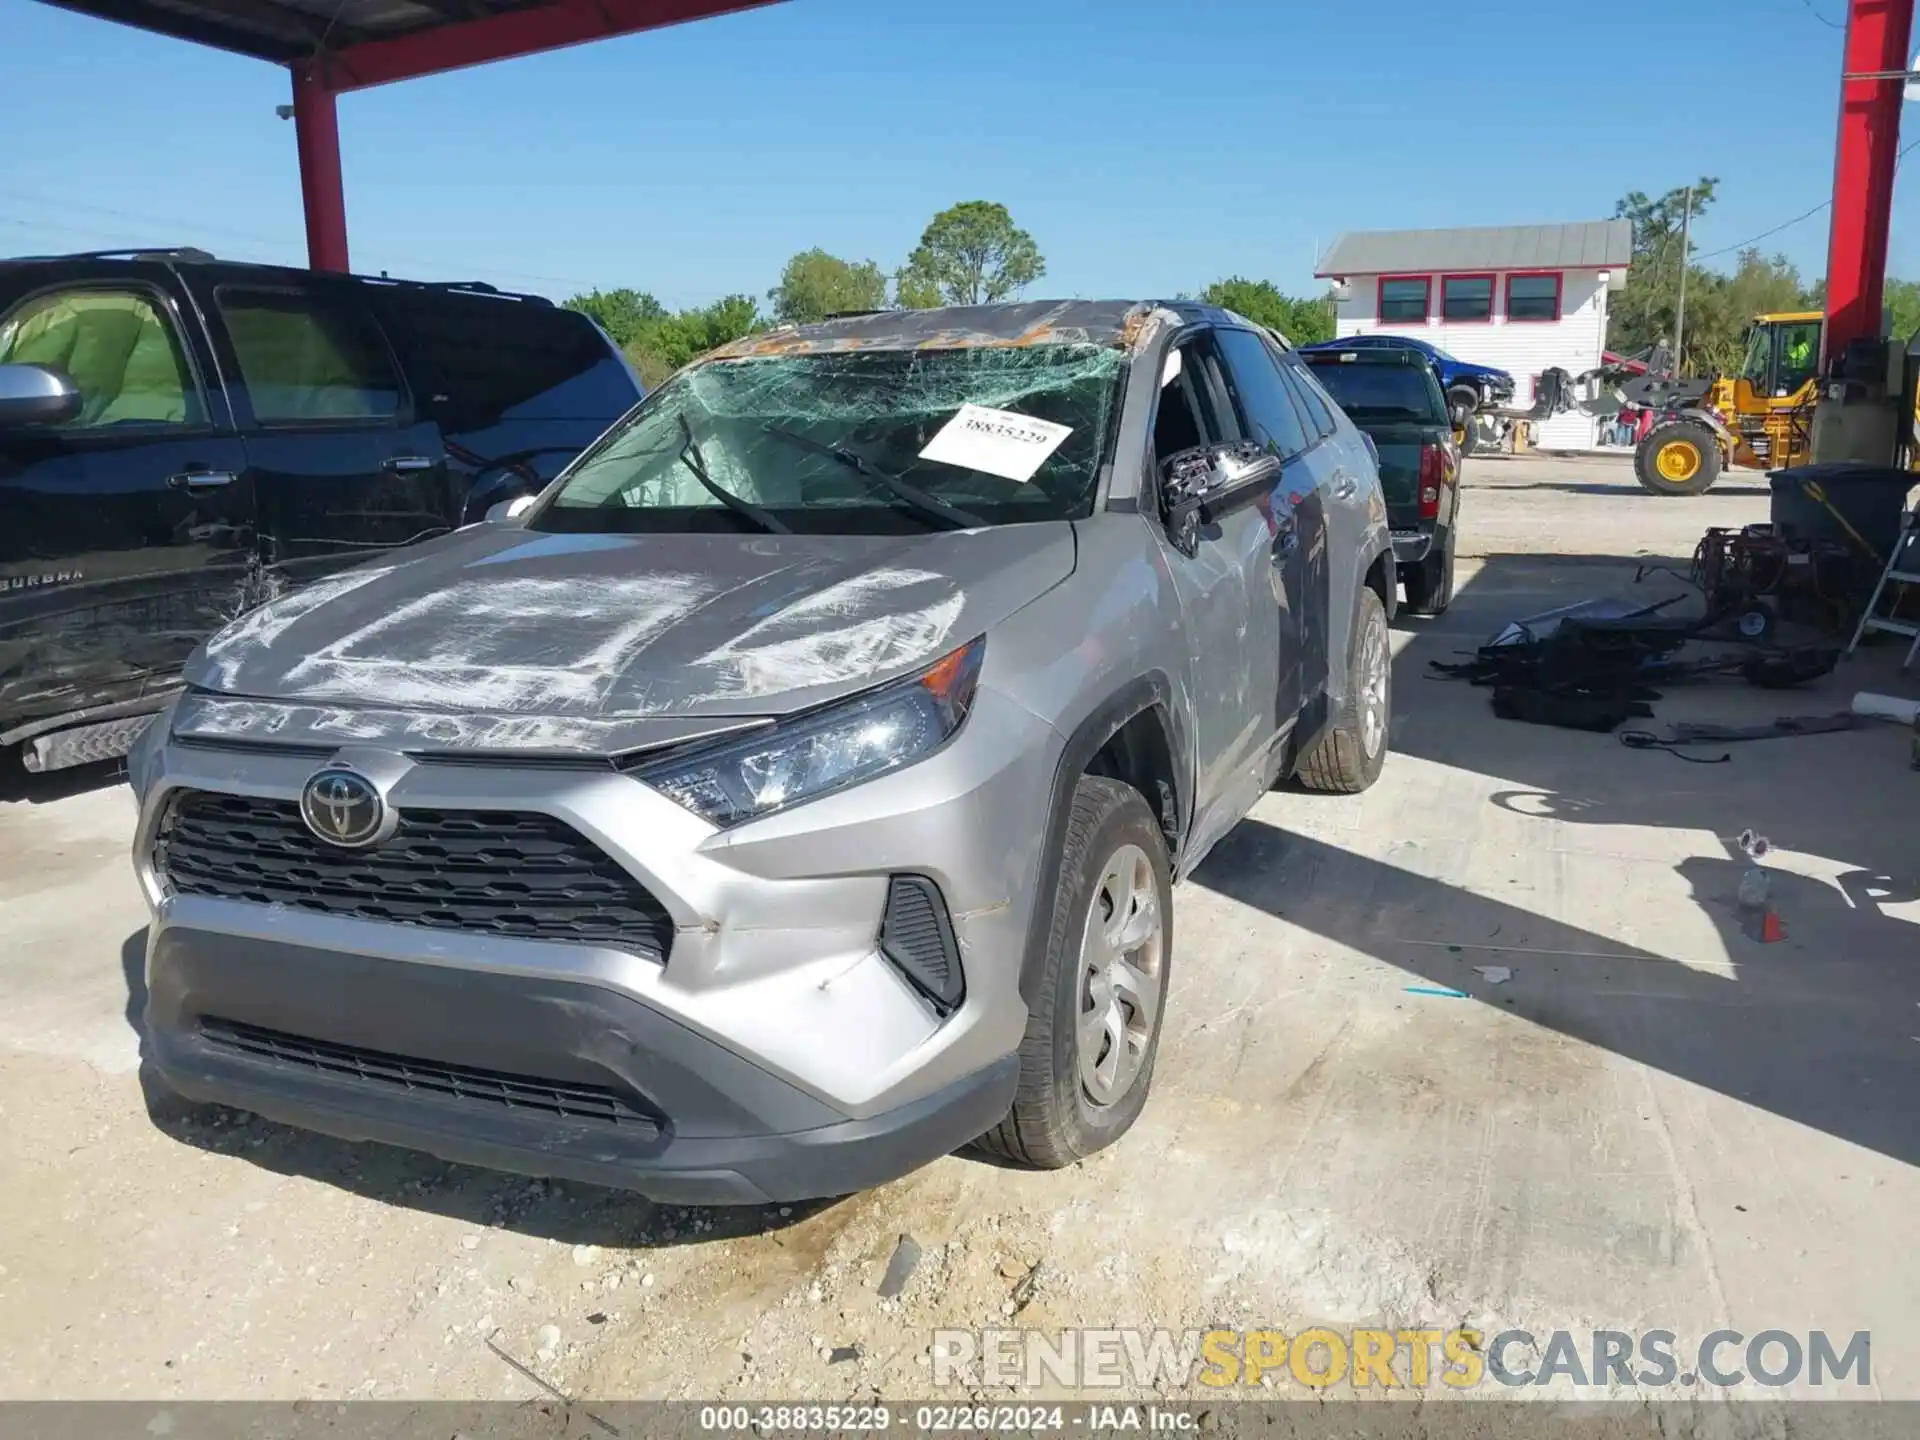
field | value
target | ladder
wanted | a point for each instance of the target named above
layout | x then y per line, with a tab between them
1893	580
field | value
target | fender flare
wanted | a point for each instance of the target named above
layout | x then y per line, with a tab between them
1136	697
1709	418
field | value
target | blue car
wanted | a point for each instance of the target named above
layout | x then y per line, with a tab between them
1479	386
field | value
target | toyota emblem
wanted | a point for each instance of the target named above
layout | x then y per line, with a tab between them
344	808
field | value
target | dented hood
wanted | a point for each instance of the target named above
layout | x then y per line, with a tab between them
498	638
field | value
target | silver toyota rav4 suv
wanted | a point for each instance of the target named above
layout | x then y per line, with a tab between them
794	793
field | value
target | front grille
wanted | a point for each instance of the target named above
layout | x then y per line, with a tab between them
562	1098
490	872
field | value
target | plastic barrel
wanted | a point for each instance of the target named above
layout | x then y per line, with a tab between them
1873	498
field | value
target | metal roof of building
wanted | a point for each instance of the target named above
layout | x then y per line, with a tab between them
1589	244
300	31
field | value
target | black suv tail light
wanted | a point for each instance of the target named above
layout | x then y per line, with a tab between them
916	934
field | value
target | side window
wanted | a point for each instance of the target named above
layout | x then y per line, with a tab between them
118	347
1267	411
304	360
492	359
1184	418
1319	404
1799	356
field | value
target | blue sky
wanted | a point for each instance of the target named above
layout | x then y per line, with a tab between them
1149	147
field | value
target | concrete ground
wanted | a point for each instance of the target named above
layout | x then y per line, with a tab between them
1656	1123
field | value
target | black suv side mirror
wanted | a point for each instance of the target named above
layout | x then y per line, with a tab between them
1460	414
36	395
1199	486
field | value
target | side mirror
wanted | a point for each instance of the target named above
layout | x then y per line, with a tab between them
36	395
1200	486
1460	414
509	509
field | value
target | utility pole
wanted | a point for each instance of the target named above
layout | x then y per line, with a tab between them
1680	311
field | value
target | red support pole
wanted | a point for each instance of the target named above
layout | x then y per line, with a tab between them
316	131
1878	32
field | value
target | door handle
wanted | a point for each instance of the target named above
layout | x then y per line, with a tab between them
407	464
200	479
1344	487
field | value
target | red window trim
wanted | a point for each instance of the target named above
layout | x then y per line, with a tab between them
1426	304
1559	297
1493	293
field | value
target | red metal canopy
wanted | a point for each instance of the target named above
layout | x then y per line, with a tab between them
332	46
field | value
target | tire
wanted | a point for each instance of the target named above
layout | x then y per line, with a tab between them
1348	758
1681	457
1430	583
1066	1107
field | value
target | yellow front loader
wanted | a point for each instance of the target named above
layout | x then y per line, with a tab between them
1758	419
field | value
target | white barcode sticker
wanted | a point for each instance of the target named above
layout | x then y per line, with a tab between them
996	442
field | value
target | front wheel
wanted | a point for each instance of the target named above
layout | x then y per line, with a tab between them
1348	758
1681	457
1087	1060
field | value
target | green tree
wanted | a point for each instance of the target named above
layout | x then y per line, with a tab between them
1903	309
913	291
690	333
815	285
1645	310
659	342
1302	319
970	254
625	315
1718	318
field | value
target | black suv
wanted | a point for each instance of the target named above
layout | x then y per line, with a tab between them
182	438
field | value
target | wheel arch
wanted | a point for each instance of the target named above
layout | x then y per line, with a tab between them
1135	736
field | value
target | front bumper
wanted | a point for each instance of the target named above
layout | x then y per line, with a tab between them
780	1051
624	1096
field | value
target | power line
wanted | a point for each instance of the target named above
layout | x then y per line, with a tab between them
1754	240
1826	204
1830	24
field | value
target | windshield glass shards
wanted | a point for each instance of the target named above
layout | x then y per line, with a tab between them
856	441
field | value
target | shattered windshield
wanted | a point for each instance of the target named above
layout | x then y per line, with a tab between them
856	441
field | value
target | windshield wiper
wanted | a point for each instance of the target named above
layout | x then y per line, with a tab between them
925	501
691	457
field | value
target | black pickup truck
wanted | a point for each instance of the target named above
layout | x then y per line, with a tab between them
182	438
1395	398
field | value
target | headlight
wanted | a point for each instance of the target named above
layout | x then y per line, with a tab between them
848	742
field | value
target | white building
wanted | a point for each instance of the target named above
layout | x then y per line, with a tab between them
1523	297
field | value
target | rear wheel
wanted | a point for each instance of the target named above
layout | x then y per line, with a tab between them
1681	457
1349	757
1087	1060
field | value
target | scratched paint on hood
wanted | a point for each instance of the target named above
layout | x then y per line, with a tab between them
467	648
259	628
865	625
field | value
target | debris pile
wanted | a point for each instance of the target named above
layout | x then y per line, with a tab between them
1594	665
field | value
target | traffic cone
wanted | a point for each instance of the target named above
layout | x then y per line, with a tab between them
1771	929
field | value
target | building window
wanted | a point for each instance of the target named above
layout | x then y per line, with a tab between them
1404	298
1533	297
1466	297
